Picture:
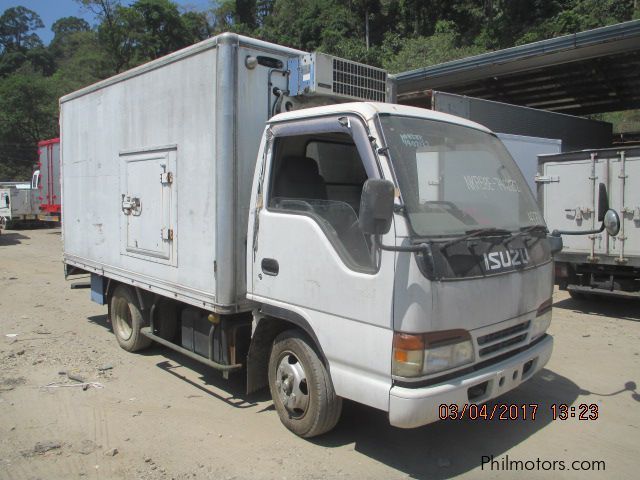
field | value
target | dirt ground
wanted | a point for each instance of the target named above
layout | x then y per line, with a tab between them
158	415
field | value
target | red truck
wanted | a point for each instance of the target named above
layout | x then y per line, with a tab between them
45	182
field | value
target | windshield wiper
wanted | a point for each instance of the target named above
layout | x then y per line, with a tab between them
528	230
451	208
479	232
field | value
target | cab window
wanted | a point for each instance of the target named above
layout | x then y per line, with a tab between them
322	176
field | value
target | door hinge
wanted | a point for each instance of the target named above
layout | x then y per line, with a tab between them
547	178
166	234
166	177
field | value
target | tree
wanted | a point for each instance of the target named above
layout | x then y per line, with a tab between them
28	113
579	15
80	61
197	26
418	52
17	25
64	28
161	29
113	30
145	30
19	43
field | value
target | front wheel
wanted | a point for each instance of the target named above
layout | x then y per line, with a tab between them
301	387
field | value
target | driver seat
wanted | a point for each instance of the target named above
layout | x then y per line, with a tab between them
299	178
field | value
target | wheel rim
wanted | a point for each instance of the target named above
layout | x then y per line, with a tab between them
291	384
123	324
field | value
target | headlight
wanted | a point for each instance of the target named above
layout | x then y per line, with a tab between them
423	354
542	321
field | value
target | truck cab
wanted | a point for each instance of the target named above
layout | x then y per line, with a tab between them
448	303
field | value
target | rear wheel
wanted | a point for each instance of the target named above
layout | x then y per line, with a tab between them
301	387
127	320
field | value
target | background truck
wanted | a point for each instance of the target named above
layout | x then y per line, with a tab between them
567	190
5	207
45	181
526	132
23	203
525	151
352	250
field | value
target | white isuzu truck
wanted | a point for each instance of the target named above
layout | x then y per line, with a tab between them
385	254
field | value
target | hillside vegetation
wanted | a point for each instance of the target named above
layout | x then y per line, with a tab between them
395	34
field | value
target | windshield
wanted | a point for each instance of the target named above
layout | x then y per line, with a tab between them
455	180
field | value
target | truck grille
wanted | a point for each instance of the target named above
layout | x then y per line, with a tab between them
359	81
497	342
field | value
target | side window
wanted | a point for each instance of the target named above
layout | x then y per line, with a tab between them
322	176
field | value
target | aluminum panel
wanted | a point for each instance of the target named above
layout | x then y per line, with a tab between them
212	109
525	151
576	133
570	201
172	105
624	197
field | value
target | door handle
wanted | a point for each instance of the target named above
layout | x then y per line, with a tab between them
131	205
270	266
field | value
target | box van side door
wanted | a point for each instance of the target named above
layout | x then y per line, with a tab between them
309	256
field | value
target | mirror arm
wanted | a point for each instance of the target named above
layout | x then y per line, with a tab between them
392	248
557	233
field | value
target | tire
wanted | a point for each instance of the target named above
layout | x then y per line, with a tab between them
577	295
301	387
127	320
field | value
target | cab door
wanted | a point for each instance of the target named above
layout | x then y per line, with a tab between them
309	257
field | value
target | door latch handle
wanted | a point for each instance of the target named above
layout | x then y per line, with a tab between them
270	266
130	205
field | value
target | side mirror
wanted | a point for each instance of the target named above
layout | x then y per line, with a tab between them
376	206
603	201
611	222
609	218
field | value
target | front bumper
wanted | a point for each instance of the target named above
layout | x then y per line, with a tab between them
413	407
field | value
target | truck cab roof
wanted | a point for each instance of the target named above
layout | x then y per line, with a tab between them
368	110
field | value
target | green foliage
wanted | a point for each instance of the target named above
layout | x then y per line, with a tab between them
623	122
442	46
160	29
396	34
64	29
26	116
19	44
16	29
579	15
81	61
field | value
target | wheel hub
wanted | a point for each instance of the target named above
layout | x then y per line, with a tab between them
291	384
122	320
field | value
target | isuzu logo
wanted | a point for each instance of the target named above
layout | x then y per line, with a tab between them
506	259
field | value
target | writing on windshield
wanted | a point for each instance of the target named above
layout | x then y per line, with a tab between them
454	179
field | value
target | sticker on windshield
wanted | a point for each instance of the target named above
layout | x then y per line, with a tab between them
477	183
413	140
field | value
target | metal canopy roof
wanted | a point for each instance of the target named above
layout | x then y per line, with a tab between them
588	72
